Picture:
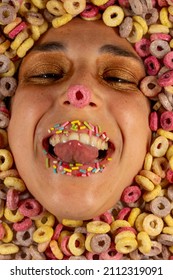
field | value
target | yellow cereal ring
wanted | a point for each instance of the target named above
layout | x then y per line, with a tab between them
43	28
7	249
144	182
4	46
11	216
154	178
59	21
43	246
168	89
118	224
126	245
157	106
55	8
168	220
148	196
169	152
171	163
171	249
133	215
97	227
158	28
72	223
167	134
6	160
159	146
17	183
123	234
88	241
9	27
117	13
99	2
144	242
3	138
27	6
35	32
2	209
139	221
170	10
136	33
77	238
10	72
164	19
98	16
148	161
48	220
8	233
168	230
56	249
153	225
41	4
25	46
159	166
19	39
43	234
74	7
142	22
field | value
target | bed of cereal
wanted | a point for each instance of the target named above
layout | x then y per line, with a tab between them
140	226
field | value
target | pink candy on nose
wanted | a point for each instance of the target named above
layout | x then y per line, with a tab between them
79	96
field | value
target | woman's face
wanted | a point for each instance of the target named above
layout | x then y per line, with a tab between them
88	64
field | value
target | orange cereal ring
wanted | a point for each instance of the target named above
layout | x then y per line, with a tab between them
76	238
153	225
56	249
113	16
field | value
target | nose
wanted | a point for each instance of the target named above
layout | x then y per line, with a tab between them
79	96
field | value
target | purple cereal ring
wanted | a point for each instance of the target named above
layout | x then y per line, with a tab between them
165	239
136	6
168	60
100	243
151	16
149	86
170	192
14	3
156	249
166	120
4	64
169	175
7	14
123	213
143	47
153	121
2	231
165	101
77	258
126	27
48	16
90	11
12	199
131	194
30	207
159	48
165	254
24	238
111	254
25	224
161	36
8	86
23	254
34	18
35	254
81	230
152	65
160	206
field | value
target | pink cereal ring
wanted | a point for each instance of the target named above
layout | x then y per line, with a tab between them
124	3
152	65
169	175
2	231
64	246
161	36
105	217
92	256
166	79
30	207
153	121
79	96
13	33
166	120
12	199
57	231
90	11
123	213
168	60
25	224
111	254
49	254
143	47
126	229
131	194
162	3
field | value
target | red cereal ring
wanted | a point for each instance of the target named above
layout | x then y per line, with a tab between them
25	224
131	194
109	3
123	213
161	36
168	60
121	229
2	231
142	47
149	86
169	175
90	11
64	246
111	254
153	121
166	120
160	206
152	65
7	14
124	3
57	231
100	243
159	48
8	86
30	207
12	199
49	254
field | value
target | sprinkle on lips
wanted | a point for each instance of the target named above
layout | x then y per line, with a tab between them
76	147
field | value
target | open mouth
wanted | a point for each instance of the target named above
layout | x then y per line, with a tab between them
77	148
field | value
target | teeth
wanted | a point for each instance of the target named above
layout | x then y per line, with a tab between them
82	137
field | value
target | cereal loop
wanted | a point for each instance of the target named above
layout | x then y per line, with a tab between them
73	240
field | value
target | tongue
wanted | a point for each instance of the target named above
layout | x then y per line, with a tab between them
75	151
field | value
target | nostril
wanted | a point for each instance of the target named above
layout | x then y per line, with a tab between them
79	95
92	104
66	102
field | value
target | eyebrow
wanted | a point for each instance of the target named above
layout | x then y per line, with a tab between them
118	51
50	47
